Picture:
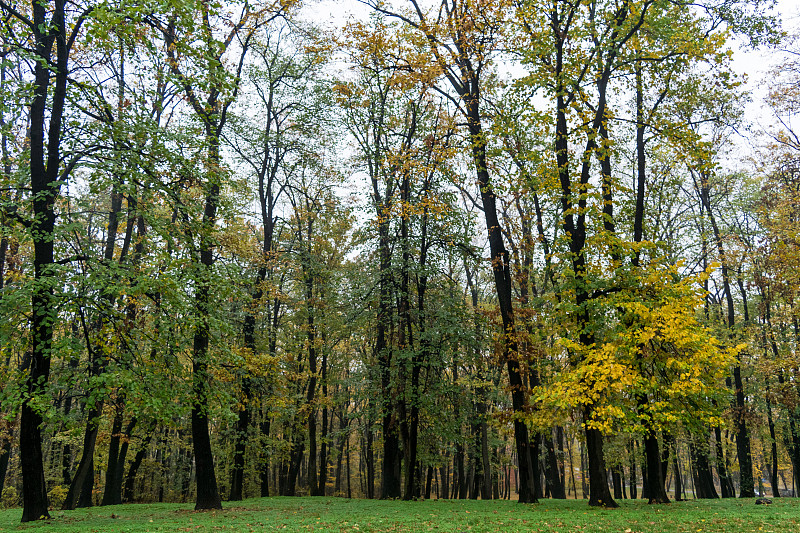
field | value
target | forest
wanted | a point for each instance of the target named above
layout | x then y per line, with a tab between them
396	249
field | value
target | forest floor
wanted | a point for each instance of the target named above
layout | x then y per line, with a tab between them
361	516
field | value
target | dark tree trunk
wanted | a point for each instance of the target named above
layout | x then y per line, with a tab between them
459	468
773	471
370	453
323	451
725	481
212	112
486	487
476	462
655	474
599	495
112	494
133	470
207	492
85	497
617	482
428	482
85	472
292	469
503	282
240	442
344	436
703	479
45	156
390	485
742	431
575	227
264	474
553	473
656	492
634	481
445	481
678	482
5	454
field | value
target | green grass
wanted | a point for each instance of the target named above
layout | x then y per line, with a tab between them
361	516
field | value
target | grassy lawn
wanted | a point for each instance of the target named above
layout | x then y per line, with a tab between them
341	515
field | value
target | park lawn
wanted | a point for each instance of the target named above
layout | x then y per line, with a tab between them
361	516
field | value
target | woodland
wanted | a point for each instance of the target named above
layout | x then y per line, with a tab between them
407	249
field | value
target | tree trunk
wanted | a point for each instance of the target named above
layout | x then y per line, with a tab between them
678	481
45	157
85	471
112	494
703	479
207	492
634	480
130	478
370	460
240	439
264	474
552	473
599	495
390	485
617	482
5	453
742	431
655	474
725	482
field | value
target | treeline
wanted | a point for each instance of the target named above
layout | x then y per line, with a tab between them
471	249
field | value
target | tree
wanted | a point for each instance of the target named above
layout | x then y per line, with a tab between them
460	40
51	30
210	95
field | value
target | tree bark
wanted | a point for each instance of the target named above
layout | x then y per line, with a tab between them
207	492
45	157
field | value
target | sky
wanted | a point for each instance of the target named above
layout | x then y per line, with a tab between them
755	64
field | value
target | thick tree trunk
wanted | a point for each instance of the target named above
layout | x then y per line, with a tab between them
390	485
428	482
45	157
616	480
655	474
486	486
207	492
703	479
265	468
459	469
599	495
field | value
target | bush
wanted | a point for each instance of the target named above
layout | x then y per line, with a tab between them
57	496
9	498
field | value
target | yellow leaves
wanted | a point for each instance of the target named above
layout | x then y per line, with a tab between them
650	345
